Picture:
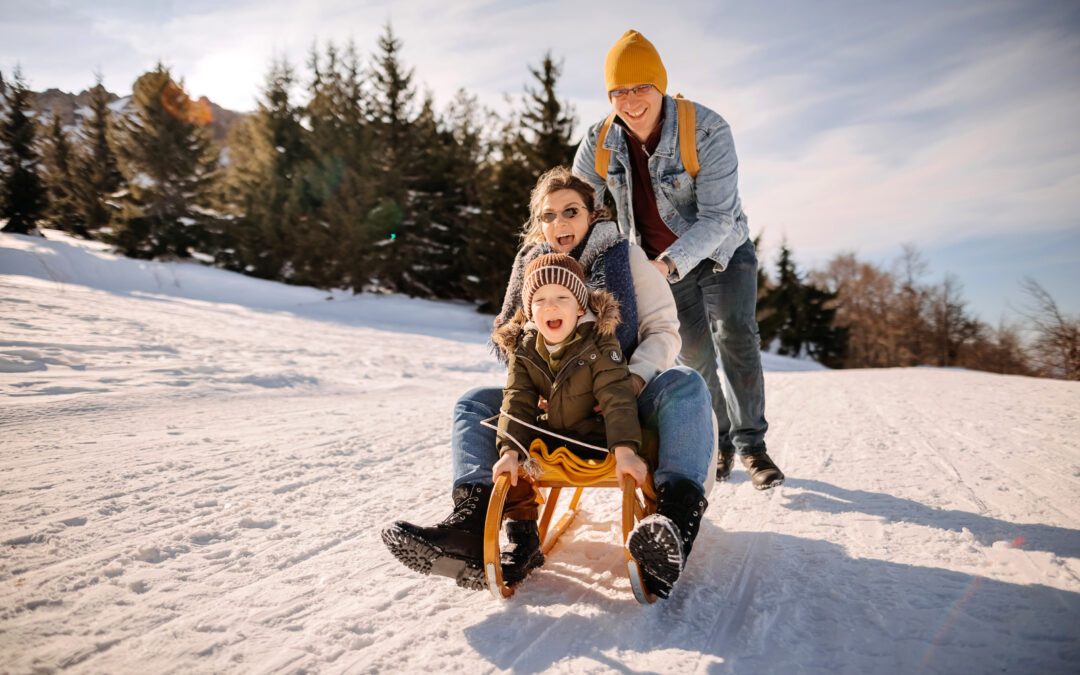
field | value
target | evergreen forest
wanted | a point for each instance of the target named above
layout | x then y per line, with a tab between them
348	176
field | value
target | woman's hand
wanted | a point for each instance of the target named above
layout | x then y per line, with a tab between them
508	463
627	463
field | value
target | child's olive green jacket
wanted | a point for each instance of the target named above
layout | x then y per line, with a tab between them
592	371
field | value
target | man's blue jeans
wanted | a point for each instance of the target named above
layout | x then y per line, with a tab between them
674	405
717	317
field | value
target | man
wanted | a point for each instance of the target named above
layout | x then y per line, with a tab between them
696	235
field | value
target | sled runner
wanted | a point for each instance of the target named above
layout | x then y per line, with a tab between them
560	468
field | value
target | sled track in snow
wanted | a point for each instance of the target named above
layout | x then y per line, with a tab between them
733	608
535	646
1053	478
934	443
738	598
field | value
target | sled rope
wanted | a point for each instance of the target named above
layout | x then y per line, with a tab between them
487	423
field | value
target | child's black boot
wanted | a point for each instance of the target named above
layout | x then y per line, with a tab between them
523	553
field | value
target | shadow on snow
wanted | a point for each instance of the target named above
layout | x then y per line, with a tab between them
827	498
753	602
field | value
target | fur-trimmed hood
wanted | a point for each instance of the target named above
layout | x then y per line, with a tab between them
603	310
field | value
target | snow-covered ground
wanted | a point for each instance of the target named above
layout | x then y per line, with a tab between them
195	466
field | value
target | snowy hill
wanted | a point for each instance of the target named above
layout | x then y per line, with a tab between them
195	467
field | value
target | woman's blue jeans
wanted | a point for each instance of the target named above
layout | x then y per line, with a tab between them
675	405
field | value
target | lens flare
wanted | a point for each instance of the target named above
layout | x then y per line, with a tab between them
178	104
969	591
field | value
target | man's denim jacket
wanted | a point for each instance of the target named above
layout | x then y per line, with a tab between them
705	213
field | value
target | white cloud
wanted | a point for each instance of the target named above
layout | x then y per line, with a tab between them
984	149
858	126
841	194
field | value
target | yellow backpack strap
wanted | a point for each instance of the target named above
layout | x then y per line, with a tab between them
603	155
688	135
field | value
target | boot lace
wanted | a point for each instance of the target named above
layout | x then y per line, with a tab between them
685	513
463	509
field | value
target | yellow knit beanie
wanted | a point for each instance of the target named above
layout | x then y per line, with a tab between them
634	60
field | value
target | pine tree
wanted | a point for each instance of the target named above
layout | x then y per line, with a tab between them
825	342
547	124
266	181
781	306
392	110
494	235
61	160
23	200
169	161
443	201
763	283
98	177
532	140
800	318
335	244
466	209
396	243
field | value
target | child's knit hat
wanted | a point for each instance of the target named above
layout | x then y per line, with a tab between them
554	268
634	60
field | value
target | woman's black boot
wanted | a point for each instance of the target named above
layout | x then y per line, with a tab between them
454	548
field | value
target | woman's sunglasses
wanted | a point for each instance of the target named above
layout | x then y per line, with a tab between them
568	213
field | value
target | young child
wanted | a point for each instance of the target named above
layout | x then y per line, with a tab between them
561	346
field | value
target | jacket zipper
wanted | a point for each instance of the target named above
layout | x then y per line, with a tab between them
566	362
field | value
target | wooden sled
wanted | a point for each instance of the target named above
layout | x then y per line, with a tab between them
563	469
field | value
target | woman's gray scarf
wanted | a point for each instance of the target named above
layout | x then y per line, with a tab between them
604	254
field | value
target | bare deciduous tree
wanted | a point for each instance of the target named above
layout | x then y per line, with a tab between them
894	318
1056	342
998	350
912	306
951	327
865	306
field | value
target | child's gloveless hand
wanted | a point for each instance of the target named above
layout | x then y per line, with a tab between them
508	463
627	463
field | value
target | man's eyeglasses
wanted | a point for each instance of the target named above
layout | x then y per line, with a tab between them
640	89
568	213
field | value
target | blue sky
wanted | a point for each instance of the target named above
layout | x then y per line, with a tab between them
860	126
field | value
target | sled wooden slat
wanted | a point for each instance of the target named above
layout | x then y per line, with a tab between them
549	511
561	468
549	538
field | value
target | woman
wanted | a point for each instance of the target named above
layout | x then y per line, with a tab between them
673	403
